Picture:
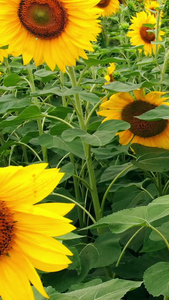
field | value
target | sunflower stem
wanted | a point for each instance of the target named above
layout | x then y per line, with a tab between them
87	149
35	100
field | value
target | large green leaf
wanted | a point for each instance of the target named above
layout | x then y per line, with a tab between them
29	113
108	248
156	279
118	86
138	216
160	112
113	289
50	141
151	159
111	172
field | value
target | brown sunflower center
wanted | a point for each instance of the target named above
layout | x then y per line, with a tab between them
7	229
140	127
146	35
103	3
44	19
111	78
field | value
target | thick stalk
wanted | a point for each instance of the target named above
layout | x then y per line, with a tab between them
87	150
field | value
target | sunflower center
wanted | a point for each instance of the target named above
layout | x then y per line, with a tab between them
139	127
44	19
103	3
7	229
146	35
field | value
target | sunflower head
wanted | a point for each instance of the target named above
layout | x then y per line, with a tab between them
109	7
27	230
152	7
49	30
123	106
142	32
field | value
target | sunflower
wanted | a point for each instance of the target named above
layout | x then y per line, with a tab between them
141	34
109	77
53	31
26	239
122	106
152	6
109	7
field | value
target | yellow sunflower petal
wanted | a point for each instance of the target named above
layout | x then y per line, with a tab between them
125	137
33	183
14	284
23	263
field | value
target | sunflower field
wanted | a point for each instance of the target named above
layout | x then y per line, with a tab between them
84	149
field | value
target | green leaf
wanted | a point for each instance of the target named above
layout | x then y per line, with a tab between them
156	279
57	142
68	169
114	125
11	103
118	86
89	97
57	91
108	248
160	112
29	113
12	80
113	289
111	172
99	138
95	62
150	158
139	216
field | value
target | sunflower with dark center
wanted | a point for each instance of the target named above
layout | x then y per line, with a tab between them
122	106
53	31
27	230
153	7
141	34
109	7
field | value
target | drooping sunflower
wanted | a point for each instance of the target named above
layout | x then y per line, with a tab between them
141	34
53	31
109	7
27	230
109	77
122	106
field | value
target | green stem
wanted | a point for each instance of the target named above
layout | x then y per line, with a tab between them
166	298
143	189
34	152
35	100
125	247
110	186
58	119
87	149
